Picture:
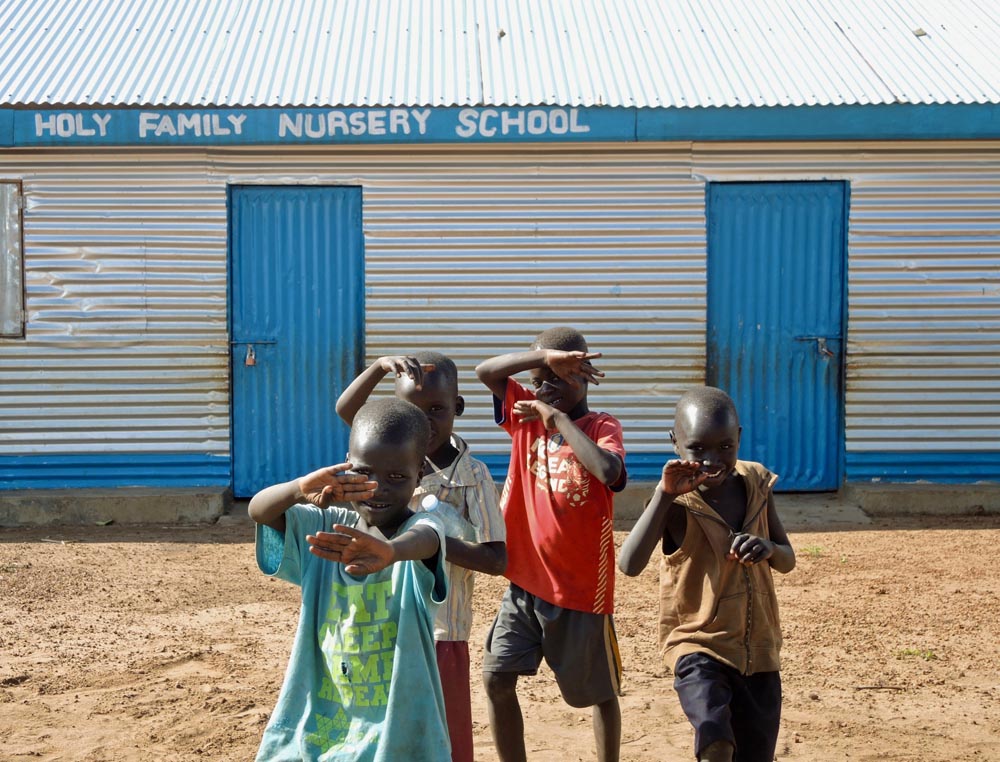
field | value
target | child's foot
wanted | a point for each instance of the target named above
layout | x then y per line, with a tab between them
720	751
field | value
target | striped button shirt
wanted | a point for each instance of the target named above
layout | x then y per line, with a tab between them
466	487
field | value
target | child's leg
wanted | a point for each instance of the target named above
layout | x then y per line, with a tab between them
513	648
506	720
720	751
608	730
582	650
756	709
453	664
703	687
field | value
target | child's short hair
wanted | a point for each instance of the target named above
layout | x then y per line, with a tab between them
709	400
393	420
442	364
561	337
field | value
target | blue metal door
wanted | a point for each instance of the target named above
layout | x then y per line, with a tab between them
296	327
776	254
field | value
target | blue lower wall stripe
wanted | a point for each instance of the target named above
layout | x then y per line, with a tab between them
642	466
934	467
114	470
203	470
862	467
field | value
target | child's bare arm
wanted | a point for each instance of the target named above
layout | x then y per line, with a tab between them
363	553
495	371
678	477
574	367
333	484
605	465
777	551
486	557
355	395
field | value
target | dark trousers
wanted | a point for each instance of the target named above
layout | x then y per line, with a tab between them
724	705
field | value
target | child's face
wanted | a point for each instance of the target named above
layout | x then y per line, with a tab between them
713	440
556	392
440	402
396	468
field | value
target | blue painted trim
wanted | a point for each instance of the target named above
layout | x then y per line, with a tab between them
6	127
497	464
888	467
201	470
114	470
313	126
855	122
934	467
23	128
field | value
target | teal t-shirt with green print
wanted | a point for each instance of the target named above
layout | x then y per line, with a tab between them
362	681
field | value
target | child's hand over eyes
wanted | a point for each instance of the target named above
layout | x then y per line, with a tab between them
681	476
336	484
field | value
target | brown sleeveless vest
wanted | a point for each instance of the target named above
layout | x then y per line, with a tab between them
712	605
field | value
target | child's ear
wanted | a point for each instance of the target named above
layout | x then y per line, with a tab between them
459	405
673	441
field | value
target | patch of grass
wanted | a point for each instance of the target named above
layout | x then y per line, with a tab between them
923	653
813	551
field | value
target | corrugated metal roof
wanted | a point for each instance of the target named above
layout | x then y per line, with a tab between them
628	53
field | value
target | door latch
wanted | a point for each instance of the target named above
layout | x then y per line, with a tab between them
824	350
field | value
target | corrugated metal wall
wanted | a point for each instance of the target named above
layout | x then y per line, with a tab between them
125	270
474	251
923	324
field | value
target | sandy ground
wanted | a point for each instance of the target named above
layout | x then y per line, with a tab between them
164	642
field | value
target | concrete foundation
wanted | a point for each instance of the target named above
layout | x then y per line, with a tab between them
134	505
935	499
854	504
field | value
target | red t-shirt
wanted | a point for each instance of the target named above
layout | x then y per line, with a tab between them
560	540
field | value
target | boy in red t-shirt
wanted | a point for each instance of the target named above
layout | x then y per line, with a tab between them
566	463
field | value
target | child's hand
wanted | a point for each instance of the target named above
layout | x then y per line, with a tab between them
405	366
359	552
750	549
681	476
336	484
534	410
573	367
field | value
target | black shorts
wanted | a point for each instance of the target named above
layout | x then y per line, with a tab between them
725	705
581	648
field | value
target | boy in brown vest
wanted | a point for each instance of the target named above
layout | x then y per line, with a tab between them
714	518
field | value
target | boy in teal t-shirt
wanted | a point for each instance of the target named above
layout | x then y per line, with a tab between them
362	681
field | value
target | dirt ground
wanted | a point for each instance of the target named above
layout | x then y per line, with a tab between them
164	642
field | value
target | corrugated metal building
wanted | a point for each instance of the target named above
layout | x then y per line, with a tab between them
216	212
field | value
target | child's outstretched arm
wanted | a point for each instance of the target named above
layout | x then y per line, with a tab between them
571	366
355	395
333	484
777	551
661	517
362	553
486	557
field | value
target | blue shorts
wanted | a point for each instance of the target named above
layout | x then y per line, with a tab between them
580	647
725	705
